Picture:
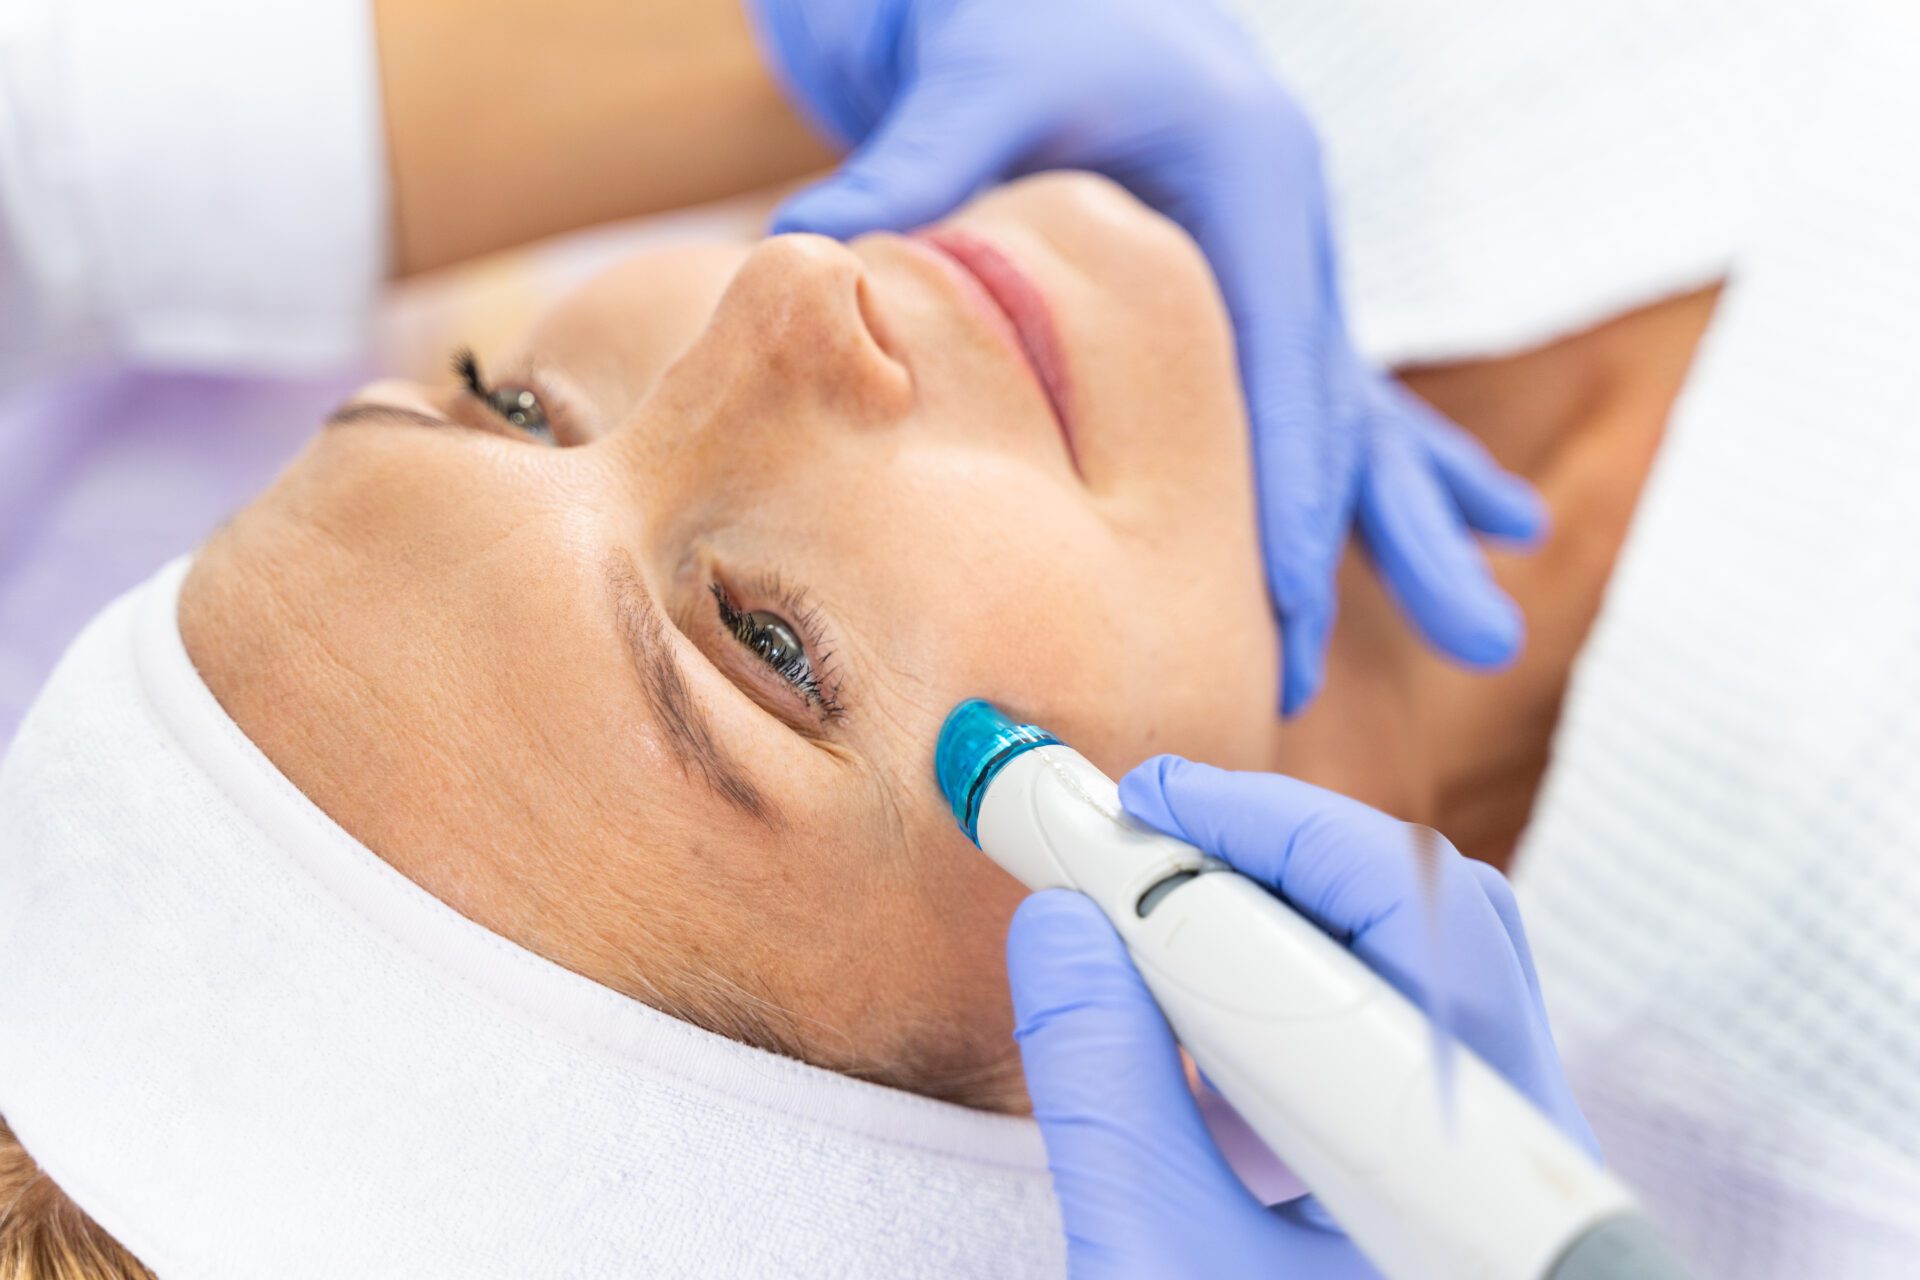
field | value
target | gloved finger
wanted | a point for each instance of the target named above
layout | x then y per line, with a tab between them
1125	1139
1411	907
1304	631
1491	499
1428	558
1345	865
1401	896
1421	914
1500	897
1275	276
1417	913
1533	1062
943	139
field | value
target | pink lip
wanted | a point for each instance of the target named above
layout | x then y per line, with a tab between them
1022	305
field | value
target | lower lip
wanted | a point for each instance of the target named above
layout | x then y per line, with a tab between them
1024	307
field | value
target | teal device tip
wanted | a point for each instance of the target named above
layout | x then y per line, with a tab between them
975	744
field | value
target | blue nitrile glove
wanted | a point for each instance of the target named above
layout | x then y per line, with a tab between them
939	98
1143	1189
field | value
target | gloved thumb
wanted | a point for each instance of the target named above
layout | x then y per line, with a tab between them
942	140
1129	1150
1343	864
1406	901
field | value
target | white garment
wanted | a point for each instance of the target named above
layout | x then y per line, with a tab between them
1505	172
199	183
202	183
1722	879
248	1047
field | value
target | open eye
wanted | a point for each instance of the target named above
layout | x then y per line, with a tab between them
768	635
519	406
522	407
777	642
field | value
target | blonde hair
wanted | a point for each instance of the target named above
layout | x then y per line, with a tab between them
44	1235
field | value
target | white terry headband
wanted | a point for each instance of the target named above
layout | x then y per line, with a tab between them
248	1047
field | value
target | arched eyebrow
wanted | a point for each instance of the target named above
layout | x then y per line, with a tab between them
690	732
643	630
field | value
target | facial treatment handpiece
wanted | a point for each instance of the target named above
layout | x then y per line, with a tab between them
1325	1060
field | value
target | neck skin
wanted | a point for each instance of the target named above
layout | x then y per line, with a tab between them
1406	731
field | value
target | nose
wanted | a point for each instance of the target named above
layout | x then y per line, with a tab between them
792	369
799	324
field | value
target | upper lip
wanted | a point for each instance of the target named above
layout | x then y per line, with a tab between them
1014	295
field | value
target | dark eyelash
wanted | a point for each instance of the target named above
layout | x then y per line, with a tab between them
466	366
813	677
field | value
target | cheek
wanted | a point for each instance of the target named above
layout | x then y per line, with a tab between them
987	579
968	575
952	573
903	925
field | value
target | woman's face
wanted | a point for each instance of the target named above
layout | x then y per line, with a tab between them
659	700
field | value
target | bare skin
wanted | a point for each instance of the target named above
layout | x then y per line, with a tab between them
424	626
504	667
509	120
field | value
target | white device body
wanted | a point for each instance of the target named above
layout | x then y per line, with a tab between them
1328	1063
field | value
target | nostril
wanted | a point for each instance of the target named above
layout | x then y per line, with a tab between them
876	322
895	374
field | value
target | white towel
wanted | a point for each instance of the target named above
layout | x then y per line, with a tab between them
1722	879
248	1047
1505	172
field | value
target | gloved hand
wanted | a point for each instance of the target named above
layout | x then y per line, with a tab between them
942	97
1143	1189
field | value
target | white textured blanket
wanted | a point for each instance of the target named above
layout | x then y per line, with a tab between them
1723	876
